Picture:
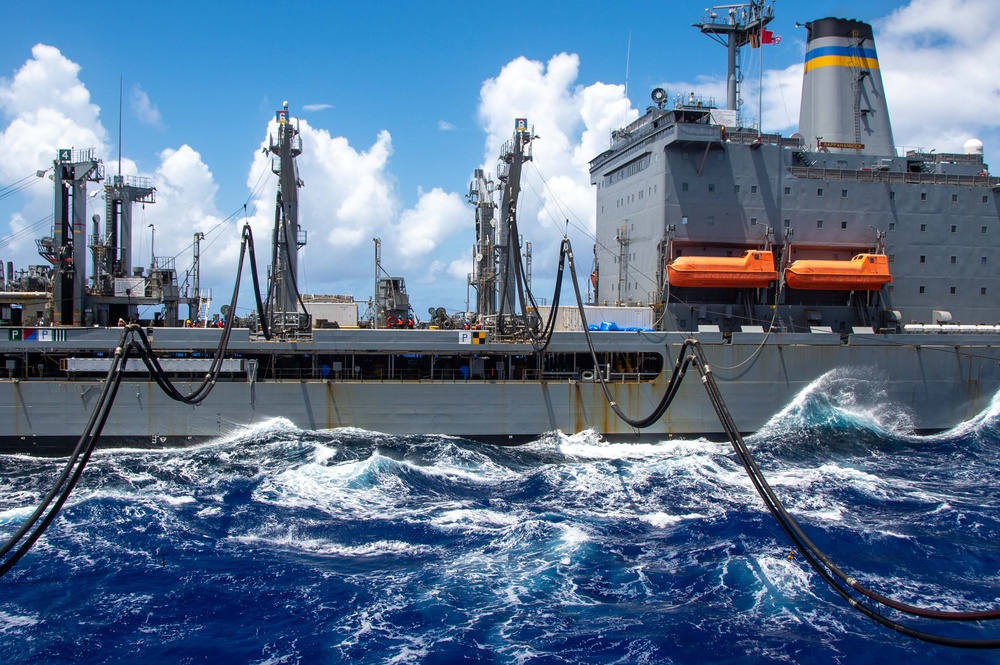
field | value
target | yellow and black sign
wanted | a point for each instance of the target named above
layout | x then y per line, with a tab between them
471	336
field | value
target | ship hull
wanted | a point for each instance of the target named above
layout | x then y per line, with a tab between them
926	383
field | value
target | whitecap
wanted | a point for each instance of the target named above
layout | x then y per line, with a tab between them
849	396
472	519
177	500
325	547
662	520
10	622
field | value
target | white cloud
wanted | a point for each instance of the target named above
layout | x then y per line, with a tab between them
939	84
349	197
49	108
143	109
936	61
185	204
438	215
316	107
573	123
446	126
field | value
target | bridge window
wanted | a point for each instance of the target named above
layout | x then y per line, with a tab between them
819	223
819	191
843	193
753	189
923	196
921	289
954	198
630	169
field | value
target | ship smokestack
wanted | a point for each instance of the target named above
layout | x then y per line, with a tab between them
843	102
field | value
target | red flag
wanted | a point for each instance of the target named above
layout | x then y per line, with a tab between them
766	37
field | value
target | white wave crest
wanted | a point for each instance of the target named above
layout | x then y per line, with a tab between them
848	395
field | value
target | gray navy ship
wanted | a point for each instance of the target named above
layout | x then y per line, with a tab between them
822	259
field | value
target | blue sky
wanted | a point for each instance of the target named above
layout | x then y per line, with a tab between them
400	102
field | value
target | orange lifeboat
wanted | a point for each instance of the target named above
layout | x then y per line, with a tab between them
753	270
865	272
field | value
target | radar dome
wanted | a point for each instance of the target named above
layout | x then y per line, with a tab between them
973	147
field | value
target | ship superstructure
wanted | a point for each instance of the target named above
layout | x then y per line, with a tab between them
688	181
69	289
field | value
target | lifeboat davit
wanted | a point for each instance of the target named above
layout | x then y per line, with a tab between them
753	270
865	272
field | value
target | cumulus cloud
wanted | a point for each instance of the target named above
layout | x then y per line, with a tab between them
573	122
938	87
48	108
143	109
437	216
349	197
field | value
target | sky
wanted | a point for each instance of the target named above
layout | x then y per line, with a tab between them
399	102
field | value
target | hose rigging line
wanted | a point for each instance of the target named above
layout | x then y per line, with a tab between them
36	524
248	242
690	353
839	581
133	342
680	365
539	338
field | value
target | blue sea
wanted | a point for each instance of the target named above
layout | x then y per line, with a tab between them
279	545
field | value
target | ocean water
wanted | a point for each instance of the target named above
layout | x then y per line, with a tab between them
286	546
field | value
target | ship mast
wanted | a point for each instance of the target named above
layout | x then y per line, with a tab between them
485	252
513	154
287	238
742	23
68	253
